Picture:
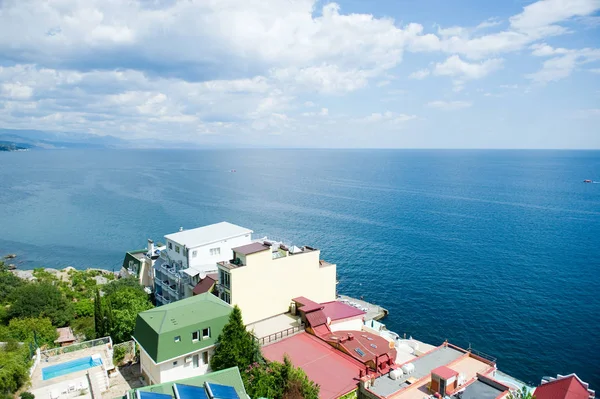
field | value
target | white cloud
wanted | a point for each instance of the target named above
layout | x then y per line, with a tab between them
513	86
420	74
322	112
449	105
16	90
562	64
387	117
455	67
594	70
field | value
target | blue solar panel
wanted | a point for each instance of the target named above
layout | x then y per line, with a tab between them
189	392
217	391
152	395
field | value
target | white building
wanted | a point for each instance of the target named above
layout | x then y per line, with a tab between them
190	255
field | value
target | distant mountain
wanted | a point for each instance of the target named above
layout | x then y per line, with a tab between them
36	139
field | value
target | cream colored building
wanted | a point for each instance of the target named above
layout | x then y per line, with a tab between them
263	277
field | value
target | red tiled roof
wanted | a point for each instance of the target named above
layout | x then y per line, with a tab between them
306	305
205	285
336	373
370	345
563	388
316	318
336	310
65	334
444	372
251	248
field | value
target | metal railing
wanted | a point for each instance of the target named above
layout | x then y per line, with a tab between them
482	355
279	335
76	347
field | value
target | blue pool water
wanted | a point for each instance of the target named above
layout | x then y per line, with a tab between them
497	249
70	367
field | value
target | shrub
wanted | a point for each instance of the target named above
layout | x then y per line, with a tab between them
27	395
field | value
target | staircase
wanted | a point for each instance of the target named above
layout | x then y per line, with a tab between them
98	379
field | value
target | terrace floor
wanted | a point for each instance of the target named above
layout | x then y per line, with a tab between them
274	325
122	380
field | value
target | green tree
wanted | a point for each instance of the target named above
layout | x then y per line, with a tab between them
279	381
235	345
84	326
523	393
35	330
41	300
14	367
8	283
121	310
99	315
117	285
83	308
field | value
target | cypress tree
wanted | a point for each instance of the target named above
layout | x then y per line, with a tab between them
235	345
98	316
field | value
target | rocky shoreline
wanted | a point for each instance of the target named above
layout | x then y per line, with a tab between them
61	274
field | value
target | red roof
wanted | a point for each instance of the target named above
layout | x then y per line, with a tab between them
316	318
306	305
363	346
336	310
336	373
569	387
65	334
250	248
206	284
444	372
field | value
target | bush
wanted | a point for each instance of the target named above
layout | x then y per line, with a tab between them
119	354
27	395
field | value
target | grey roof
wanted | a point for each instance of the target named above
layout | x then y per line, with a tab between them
385	386
251	248
480	390
208	234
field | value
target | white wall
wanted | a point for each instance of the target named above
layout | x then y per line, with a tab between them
354	324
265	287
166	371
205	258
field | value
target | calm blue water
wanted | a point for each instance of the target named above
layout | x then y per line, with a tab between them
69	367
500	249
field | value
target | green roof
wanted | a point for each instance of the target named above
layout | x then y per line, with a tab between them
129	257
156	329
230	377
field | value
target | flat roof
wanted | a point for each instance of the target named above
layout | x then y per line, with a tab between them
251	248
361	345
336	373
337	310
207	234
480	390
385	386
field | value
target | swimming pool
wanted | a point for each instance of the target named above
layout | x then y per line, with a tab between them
70	367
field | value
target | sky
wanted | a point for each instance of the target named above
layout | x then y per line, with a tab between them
306	73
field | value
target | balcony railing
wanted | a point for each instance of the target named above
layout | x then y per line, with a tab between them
280	335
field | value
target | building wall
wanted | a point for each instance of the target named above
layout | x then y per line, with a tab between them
203	256
354	324
265	286
166	371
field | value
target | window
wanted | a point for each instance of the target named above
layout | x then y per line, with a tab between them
205	357
170	246
226	297
224	279
175	363
195	335
194	254
177	248
178	338
206	333
215	251
196	361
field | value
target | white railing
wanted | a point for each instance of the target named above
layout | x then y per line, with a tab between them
78	346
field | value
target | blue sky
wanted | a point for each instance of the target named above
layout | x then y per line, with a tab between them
305	73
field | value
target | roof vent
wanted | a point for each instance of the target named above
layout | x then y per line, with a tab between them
181	228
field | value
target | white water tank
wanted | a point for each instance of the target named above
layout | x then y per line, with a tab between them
395	374
408	368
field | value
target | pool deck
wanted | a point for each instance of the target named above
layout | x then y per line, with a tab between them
73	384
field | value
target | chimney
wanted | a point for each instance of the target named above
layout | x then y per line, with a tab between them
150	247
350	337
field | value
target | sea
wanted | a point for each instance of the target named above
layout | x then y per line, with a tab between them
498	250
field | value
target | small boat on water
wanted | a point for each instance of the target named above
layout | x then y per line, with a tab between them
587	181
